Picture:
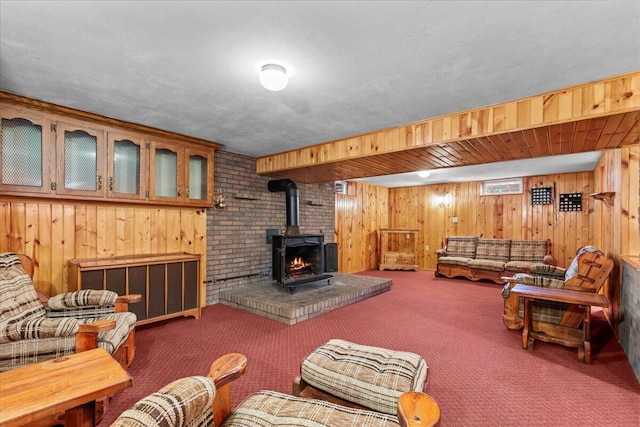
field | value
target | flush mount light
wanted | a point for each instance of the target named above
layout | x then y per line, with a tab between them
424	174
273	77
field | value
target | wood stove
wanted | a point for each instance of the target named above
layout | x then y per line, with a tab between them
298	259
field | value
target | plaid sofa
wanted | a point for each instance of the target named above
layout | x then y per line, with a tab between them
31	333
477	258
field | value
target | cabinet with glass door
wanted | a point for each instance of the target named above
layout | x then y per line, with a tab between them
26	152
127	163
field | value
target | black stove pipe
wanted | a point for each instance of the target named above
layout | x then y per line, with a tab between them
292	200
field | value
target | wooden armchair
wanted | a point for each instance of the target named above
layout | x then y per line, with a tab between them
204	401
35	328
553	304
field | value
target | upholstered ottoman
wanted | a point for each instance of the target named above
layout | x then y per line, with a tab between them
363	376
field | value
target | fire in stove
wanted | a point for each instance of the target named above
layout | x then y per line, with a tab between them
299	266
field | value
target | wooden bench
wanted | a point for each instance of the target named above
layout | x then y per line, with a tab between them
579	338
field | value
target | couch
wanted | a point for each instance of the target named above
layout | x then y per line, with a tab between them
492	259
204	401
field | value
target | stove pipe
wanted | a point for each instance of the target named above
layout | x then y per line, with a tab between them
292	200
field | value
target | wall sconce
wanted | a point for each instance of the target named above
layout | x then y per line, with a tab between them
218	200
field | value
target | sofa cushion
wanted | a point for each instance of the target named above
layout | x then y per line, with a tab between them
486	264
518	266
493	249
528	250
16	354
373	377
461	246
270	408
454	260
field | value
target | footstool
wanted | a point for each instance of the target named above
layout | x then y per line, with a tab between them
360	376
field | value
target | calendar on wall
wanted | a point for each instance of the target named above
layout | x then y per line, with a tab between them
570	202
541	196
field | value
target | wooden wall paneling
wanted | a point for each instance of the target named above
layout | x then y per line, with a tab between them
58	247
44	246
630	200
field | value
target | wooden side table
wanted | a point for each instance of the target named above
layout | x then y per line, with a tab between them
68	384
582	339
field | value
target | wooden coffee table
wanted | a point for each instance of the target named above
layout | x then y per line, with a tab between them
68	384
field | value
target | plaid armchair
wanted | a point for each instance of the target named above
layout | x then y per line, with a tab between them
204	401
35	329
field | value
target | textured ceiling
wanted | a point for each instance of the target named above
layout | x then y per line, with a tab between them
191	67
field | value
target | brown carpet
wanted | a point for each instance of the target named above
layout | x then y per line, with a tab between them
479	374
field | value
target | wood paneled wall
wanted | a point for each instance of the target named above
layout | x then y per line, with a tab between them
617	229
359	216
53	233
434	209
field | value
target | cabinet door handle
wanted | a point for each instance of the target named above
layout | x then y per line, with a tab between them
187	192
99	182
111	183
179	191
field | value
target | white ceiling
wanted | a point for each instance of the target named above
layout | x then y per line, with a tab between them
355	66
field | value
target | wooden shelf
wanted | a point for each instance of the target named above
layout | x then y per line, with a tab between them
606	196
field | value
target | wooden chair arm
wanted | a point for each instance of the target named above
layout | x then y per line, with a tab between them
97	326
123	301
87	336
223	371
418	410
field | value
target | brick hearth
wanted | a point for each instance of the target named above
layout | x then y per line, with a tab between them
275	302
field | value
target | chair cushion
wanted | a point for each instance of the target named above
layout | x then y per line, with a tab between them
486	264
18	297
83	298
112	339
16	354
528	250
184	402
454	260
493	249
546	270
461	246
270	408
369	376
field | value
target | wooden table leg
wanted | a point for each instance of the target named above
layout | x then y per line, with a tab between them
586	331
81	416
528	323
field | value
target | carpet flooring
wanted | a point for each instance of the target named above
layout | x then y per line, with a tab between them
479	374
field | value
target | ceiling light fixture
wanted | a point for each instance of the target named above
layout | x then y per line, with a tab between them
424	174
273	77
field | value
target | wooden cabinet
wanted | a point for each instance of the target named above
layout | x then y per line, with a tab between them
181	174
52	151
399	249
169	283
25	151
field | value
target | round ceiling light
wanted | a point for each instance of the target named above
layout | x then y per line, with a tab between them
273	77
424	174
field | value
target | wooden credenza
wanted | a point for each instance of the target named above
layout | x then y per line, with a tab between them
399	249
169	283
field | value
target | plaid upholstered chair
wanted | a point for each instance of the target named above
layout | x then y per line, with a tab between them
587	272
34	328
204	401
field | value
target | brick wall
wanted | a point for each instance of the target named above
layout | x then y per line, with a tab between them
237	248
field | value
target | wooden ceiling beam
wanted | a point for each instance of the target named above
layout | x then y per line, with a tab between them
592	116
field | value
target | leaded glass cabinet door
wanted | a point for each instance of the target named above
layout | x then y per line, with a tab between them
25	152
81	160
167	179
199	175
127	164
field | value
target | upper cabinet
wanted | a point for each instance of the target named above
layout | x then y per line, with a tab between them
25	156
46	153
80	161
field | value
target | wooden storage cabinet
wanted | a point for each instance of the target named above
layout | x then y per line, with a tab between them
169	283
55	152
399	249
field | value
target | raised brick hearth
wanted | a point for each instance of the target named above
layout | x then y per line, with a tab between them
276	302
